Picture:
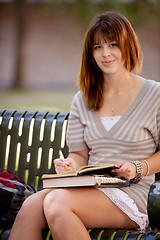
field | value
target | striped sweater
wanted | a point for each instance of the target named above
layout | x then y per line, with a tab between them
136	136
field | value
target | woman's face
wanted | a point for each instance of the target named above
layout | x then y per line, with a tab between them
107	55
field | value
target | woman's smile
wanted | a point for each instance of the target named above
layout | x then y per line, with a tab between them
108	62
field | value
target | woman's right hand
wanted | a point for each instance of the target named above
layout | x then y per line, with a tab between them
74	161
63	166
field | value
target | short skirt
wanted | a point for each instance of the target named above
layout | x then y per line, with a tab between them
127	205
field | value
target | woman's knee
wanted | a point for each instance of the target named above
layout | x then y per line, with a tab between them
32	206
55	203
28	207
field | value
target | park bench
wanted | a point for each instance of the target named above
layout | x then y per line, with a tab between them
30	140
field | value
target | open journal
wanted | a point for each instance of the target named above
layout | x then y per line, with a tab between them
90	175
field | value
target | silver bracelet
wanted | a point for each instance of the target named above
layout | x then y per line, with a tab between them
147	167
138	166
139	169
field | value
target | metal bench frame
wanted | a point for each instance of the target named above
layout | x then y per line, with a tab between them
30	140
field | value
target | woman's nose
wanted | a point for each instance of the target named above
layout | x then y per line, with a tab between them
106	51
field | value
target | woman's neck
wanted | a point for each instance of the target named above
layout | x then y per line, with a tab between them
118	82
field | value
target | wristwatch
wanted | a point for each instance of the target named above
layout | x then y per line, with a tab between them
139	169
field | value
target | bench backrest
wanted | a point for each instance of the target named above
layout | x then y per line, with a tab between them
29	141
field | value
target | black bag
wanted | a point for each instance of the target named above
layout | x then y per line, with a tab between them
13	192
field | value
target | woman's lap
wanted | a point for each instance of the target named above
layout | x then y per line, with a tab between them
89	205
92	206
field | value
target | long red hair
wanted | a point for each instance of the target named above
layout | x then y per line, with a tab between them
113	27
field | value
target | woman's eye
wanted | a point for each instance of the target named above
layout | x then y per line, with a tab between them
97	47
113	44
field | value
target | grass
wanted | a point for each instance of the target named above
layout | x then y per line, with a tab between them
37	99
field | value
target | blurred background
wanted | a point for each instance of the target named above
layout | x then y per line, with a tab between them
41	44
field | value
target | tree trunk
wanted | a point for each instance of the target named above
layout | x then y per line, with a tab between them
20	7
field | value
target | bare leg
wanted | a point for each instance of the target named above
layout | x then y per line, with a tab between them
30	220
70	211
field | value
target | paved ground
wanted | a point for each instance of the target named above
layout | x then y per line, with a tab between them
41	100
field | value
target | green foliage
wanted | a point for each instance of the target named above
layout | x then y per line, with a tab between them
139	12
84	11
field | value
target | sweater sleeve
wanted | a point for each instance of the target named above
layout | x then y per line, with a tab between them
75	129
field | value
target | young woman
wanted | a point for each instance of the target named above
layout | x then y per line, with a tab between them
114	118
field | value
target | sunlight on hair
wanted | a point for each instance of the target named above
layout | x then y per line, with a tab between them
63	134
53	130
20	127
10	123
31	132
7	150
17	155
42	130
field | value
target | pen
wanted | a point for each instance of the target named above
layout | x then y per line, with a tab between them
62	158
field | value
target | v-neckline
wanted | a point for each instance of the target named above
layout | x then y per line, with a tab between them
124	117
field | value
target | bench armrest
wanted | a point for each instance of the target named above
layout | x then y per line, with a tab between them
154	205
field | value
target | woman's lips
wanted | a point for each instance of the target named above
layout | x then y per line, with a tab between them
108	62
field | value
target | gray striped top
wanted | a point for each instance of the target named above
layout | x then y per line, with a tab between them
136	136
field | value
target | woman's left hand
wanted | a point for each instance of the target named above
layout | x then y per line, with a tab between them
126	170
